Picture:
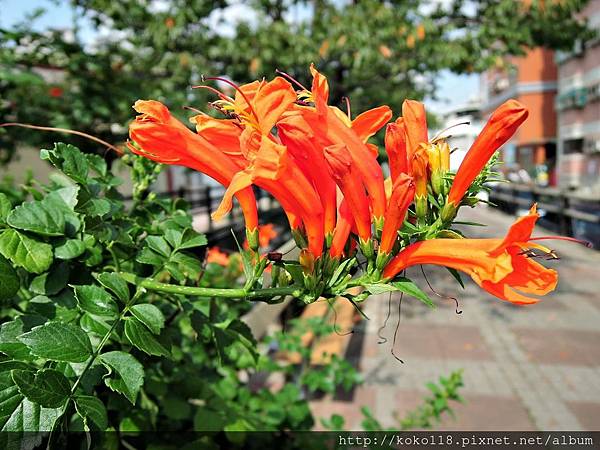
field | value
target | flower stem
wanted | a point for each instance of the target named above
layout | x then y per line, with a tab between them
264	295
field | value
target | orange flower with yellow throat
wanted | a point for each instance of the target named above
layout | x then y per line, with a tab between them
318	162
503	267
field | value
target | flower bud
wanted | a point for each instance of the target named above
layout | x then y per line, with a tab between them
307	261
252	237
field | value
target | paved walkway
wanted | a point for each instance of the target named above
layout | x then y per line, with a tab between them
525	368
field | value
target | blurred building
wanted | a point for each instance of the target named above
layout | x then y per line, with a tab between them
578	110
532	80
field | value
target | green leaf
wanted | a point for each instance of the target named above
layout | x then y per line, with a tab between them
138	334
91	408
147	256
9	280
70	160
380	288
32	255
71	249
96	301
9	344
408	287
39	217
95	207
97	163
5	207
114	283
159	245
94	324
21	420
58	342
150	316
65	197
47	387
196	240
174	237
128	373
51	282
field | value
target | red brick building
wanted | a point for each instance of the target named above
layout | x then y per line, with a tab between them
532	80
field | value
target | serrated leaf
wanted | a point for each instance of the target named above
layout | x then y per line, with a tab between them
150	316
58	342
97	163
174	237
9	344
159	245
92	408
51	282
65	197
140	336
70	249
9	280
94	324
128	373
408	287
70	160
114	283
95	207
21	420
147	256
32	255
197	240
39	217
47	387
96	301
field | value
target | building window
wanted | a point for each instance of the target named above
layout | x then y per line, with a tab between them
573	146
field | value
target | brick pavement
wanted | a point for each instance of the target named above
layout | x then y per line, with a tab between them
525	368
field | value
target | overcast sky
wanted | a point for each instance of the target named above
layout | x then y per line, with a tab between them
453	89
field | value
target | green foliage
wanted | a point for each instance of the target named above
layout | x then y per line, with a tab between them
83	348
373	52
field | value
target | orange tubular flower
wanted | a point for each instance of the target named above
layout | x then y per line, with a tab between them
223	134
499	129
342	230
274	170
403	193
164	139
415	124
327	124
344	172
295	133
395	146
503	267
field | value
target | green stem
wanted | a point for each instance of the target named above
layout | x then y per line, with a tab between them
98	350
265	295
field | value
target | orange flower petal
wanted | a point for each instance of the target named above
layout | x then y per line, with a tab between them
415	124
370	122
502	125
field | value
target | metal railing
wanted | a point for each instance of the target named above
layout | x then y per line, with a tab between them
568	213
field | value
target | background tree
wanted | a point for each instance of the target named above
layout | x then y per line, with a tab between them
375	52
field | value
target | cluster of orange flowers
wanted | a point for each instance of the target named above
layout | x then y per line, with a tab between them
317	161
